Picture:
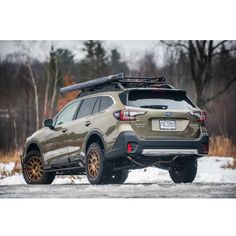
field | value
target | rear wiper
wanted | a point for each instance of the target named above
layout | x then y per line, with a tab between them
162	107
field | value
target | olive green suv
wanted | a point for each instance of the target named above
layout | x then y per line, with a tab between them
116	124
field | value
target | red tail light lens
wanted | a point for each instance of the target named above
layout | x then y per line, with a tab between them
202	118
127	114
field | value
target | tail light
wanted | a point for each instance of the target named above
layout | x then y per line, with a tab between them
201	115
128	115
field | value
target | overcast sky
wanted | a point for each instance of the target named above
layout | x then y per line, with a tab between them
131	50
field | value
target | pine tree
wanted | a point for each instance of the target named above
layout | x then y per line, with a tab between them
116	65
95	63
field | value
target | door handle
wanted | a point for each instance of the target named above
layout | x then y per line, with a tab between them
87	123
64	130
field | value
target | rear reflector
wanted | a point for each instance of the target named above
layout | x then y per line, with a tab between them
129	148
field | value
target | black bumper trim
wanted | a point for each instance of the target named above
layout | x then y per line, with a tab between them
119	148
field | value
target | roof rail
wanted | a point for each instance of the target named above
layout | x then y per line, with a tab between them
120	81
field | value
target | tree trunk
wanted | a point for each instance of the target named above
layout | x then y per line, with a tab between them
13	118
28	97
45	110
34	84
53	101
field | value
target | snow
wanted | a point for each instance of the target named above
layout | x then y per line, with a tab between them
6	168
209	171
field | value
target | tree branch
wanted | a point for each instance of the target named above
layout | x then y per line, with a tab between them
175	44
220	92
228	50
219	44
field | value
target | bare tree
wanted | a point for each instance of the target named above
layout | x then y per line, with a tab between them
45	105
147	64
201	54
55	88
35	88
25	59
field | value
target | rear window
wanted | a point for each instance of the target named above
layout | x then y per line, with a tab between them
159	99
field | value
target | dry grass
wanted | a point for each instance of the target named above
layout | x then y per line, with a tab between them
10	157
223	147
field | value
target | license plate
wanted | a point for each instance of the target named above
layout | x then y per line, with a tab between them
167	124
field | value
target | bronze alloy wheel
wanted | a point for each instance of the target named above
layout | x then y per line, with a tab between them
34	168
93	164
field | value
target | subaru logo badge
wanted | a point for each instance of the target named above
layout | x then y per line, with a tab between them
168	113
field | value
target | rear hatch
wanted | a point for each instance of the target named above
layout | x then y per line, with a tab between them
167	114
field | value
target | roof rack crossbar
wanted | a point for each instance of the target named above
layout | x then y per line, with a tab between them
158	79
140	82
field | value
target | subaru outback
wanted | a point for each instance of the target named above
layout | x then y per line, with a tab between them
116	124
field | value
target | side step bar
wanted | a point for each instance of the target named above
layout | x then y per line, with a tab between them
166	152
79	168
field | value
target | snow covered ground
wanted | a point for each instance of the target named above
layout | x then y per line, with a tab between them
6	168
209	171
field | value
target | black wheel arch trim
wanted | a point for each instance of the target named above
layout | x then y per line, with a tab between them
35	142
94	132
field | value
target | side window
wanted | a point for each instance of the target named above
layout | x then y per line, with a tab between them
67	114
87	107
97	105
105	103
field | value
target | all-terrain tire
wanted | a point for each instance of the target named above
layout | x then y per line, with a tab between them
33	169
96	165
185	171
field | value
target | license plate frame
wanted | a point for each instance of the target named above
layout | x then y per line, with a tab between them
167	124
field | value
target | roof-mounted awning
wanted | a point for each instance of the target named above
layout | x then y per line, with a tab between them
118	80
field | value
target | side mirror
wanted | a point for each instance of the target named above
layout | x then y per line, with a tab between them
48	123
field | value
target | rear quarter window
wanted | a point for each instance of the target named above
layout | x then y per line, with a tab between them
106	102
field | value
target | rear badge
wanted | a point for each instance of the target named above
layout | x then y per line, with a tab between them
168	113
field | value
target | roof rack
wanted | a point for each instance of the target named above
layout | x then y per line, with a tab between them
118	81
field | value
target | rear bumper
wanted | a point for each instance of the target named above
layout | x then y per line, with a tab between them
158	147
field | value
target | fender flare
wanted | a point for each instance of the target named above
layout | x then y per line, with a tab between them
35	142
94	132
